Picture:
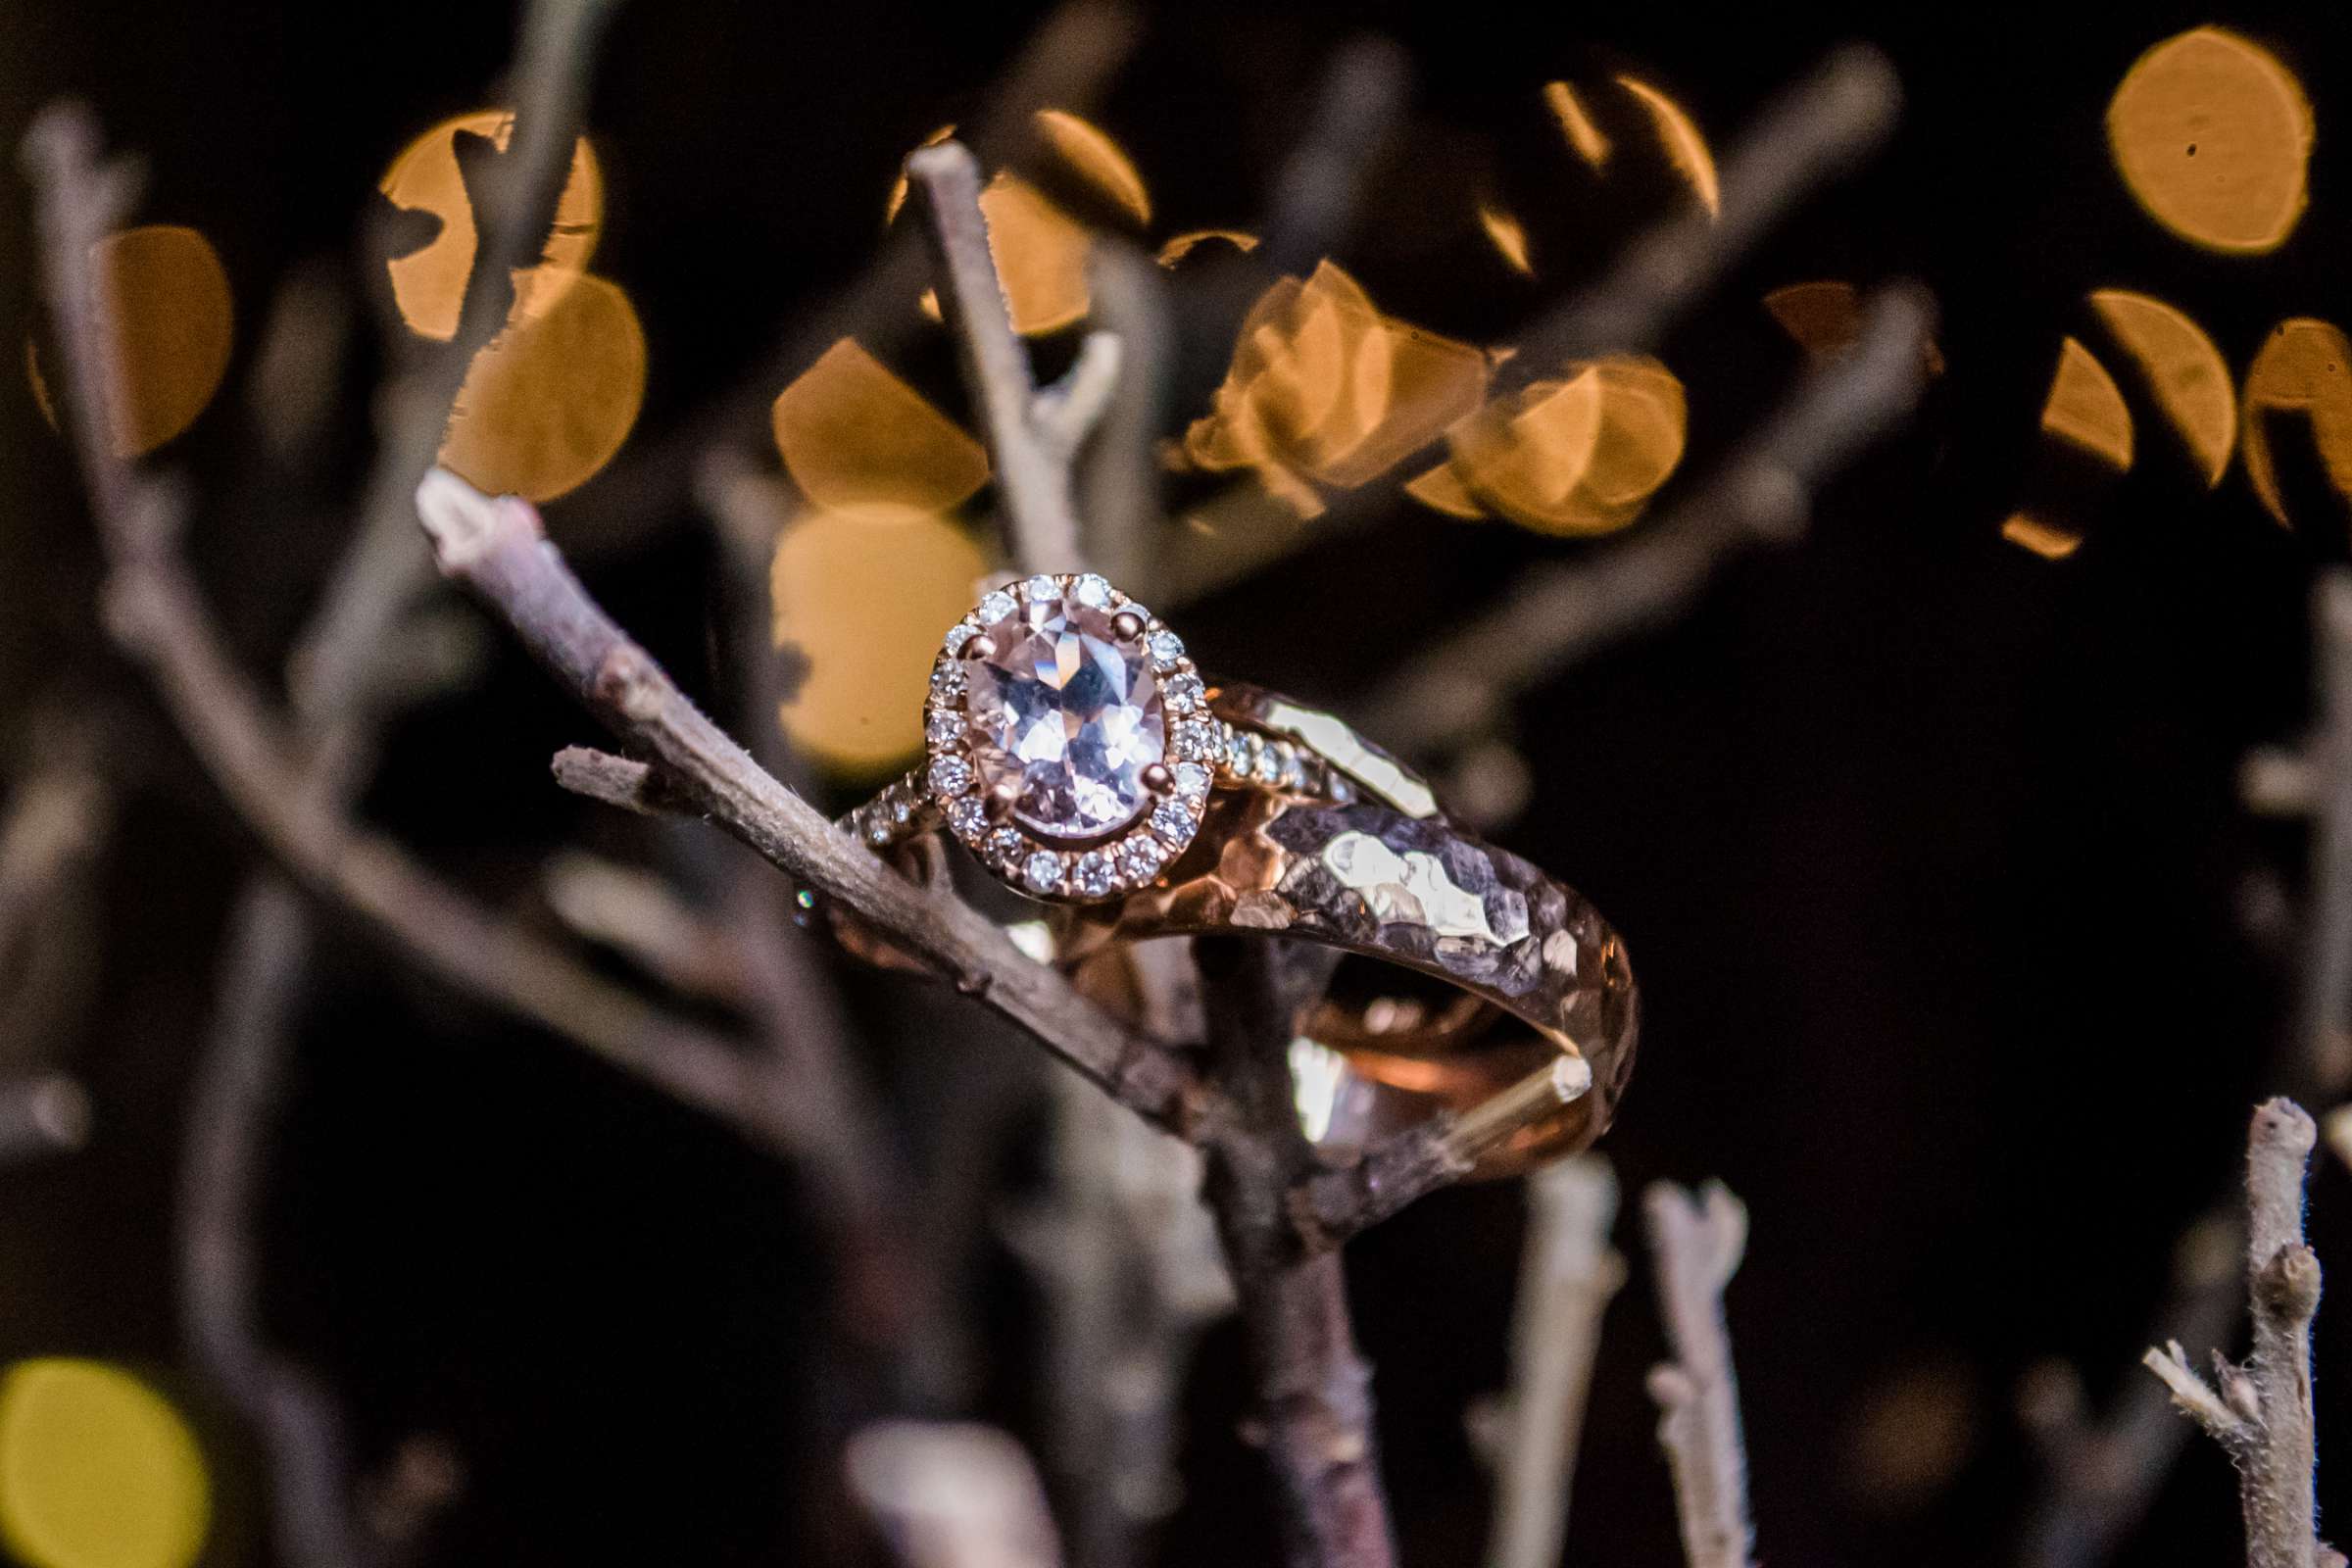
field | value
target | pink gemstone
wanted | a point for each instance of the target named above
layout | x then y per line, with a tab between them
1069	713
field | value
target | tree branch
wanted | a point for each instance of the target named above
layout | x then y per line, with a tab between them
1558	611
2260	1411
1314	1388
1030	439
1696	1242
1566	1283
498	549
155	613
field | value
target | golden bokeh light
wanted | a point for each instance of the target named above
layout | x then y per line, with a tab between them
1098	160
167	297
2050	541
858	442
1825	318
1508	236
865	598
551	398
2186	373
429	284
1580	456
2213	136
2086	409
2303	372
1684	147
1326	392
97	1470
898	189
1577	125
1041	255
1183	245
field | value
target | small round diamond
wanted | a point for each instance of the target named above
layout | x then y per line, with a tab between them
949	776
964	631
994	607
1166	647
1239	745
941	726
1191	779
902	810
1293	776
1041	871
1091	590
1197	741
1184	691
1005	845
1173	819
1266	765
967	817
1140	858
1038	590
877	832
947	680
1091	875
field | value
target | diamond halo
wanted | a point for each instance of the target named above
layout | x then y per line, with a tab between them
1070	739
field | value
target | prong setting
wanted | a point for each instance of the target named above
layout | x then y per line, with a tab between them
989	822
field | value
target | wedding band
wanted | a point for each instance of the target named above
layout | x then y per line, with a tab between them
1077	753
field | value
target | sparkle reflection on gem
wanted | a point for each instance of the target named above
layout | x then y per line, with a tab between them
1066	712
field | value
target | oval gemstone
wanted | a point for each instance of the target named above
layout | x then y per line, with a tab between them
1069	712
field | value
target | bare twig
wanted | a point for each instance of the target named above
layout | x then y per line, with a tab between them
1332	1205
1128	1263
515	201
953	1496
2323	1002
2260	1410
1031	435
2106	1474
1559	610
2103	1474
1566	1283
155	613
1119	479
232	1117
1319	188
620	781
1314	1388
498	548
639	916
1820	128
1067	63
1696	1242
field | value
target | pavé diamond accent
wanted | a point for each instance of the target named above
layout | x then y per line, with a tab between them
1041	871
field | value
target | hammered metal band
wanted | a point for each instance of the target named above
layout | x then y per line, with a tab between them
1313	834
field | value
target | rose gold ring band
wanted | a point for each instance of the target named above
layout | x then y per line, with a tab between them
1314	835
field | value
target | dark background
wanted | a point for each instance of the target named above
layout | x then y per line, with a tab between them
1928	850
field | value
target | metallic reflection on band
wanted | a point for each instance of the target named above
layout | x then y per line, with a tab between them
1420	894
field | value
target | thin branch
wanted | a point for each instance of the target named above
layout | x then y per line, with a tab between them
2107	1474
232	1110
1030	441
1817	129
2323	1002
2260	1411
1127	1261
638	916
1331	1205
513	202
1067	63
1558	611
156	614
499	549
1318	191
620	781
1314	1388
1696	1242
1119	478
1566	1283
